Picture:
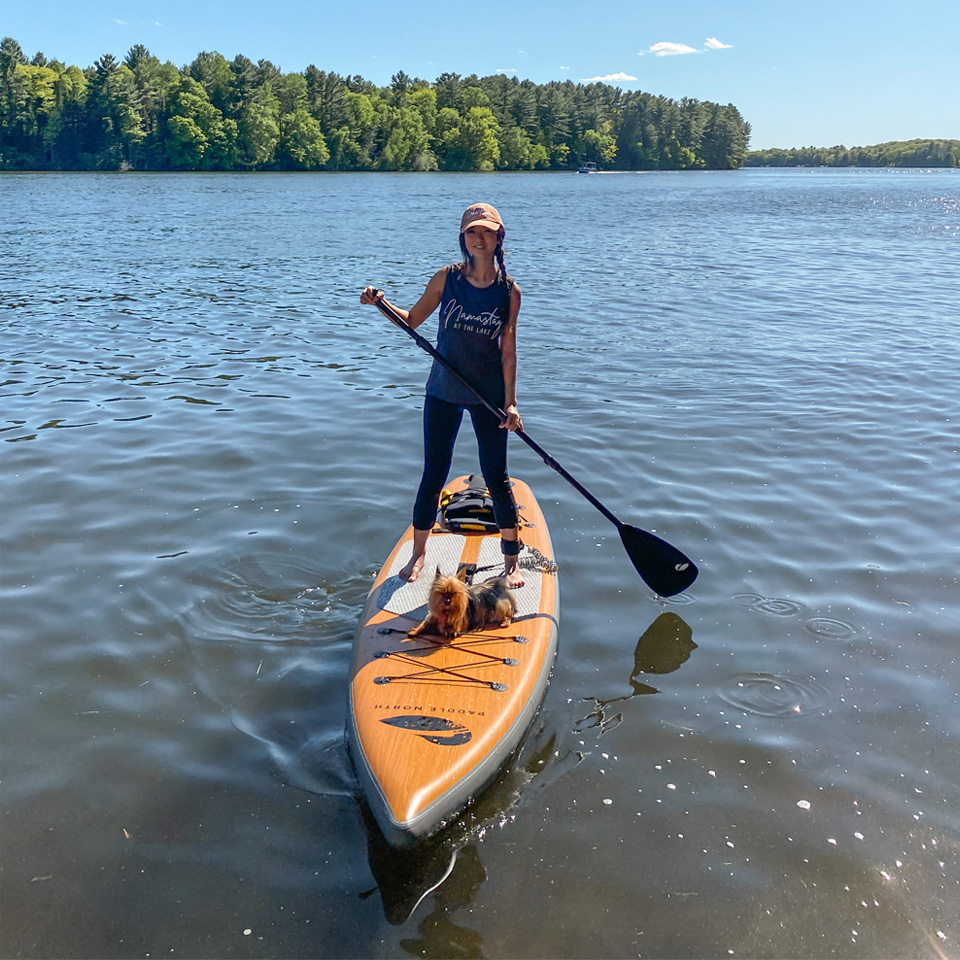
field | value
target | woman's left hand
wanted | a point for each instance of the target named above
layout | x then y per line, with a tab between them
513	421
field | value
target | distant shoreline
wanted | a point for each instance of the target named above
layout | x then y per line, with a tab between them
219	114
895	153
113	172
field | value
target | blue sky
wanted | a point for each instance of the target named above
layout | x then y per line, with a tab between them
802	73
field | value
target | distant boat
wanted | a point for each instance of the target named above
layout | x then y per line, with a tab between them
589	167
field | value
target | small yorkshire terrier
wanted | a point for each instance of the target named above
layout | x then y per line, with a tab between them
456	607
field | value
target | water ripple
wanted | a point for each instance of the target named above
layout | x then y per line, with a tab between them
830	628
776	696
771	387
272	600
775	606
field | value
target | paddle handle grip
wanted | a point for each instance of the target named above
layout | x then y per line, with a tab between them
426	345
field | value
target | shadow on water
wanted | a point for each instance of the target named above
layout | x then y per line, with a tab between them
439	936
269	638
663	647
448	863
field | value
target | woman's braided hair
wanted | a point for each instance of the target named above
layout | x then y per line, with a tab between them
467	265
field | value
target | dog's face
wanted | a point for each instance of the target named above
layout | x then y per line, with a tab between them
448	604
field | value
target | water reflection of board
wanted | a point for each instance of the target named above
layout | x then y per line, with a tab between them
430	723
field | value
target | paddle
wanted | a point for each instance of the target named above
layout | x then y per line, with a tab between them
663	568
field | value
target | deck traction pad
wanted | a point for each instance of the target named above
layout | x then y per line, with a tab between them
444	551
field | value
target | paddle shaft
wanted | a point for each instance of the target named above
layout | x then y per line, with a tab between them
425	344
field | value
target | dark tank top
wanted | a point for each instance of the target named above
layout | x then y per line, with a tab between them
471	322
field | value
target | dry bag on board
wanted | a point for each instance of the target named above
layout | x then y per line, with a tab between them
470	509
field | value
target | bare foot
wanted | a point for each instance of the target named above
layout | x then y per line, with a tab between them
412	568
513	573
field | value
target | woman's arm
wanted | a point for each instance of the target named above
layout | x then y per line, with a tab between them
421	309
508	358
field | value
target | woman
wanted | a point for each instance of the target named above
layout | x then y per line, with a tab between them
479	304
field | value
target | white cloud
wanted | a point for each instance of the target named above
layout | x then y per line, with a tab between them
609	78
564	68
714	44
667	49
123	23
506	69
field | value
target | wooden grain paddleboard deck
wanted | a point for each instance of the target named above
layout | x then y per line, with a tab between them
430	723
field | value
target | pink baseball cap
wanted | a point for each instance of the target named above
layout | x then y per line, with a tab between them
481	215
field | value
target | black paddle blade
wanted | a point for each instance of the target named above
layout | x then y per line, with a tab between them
663	568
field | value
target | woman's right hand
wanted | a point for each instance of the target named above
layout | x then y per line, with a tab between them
371	295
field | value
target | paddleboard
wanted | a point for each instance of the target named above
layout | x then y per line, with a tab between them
431	722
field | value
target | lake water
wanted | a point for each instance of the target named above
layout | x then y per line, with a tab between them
208	448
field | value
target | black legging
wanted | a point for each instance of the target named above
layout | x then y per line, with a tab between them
441	423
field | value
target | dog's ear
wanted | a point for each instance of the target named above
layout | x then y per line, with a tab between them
438	574
462	574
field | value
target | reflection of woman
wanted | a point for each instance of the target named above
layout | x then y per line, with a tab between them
479	304
664	647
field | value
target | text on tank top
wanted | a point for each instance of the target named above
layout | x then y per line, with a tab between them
468	336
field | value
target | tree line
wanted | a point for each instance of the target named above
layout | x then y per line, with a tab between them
219	114
897	153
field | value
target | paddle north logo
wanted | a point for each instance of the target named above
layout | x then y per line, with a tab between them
444	733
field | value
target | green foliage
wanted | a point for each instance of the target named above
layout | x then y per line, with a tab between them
407	145
897	153
302	145
471	142
424	101
215	114
259	128
187	143
600	148
518	153
199	136
213	73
